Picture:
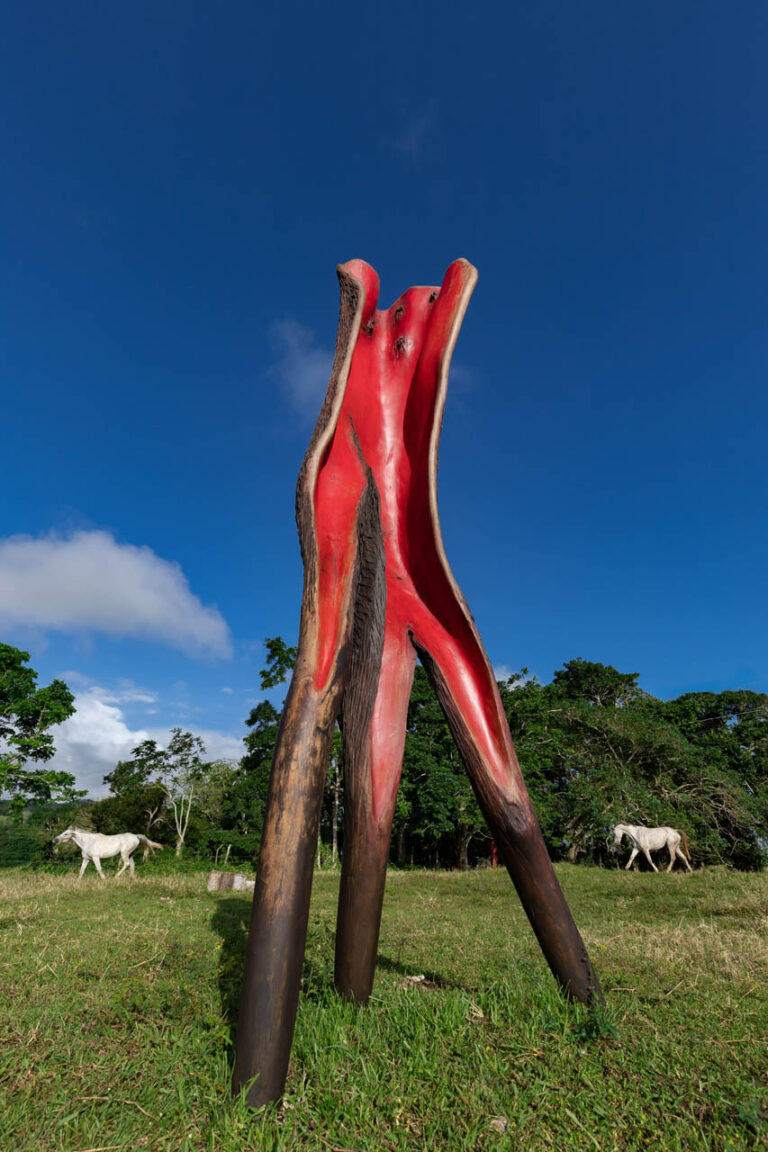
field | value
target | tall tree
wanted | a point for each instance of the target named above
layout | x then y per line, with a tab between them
140	809
181	775
27	713
136	798
245	800
179	770
130	775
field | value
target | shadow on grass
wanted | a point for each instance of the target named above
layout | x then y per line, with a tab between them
407	971
230	922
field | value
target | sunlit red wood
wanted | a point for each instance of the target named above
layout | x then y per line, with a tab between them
378	590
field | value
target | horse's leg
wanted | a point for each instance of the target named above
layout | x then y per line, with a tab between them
125	865
97	866
672	849
132	866
83	867
684	858
631	860
647	855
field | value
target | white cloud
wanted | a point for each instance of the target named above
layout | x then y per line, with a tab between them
301	368
92	741
461	379
126	691
87	582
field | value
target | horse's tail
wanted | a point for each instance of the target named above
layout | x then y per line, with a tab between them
686	845
149	845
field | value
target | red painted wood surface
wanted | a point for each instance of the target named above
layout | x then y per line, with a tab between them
392	407
378	590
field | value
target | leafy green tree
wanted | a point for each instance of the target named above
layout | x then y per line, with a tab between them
141	808
181	774
595	750
27	713
281	658
136	800
247	796
178	773
244	802
596	684
436	802
729	732
129	775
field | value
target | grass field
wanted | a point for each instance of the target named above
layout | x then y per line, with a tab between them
117	1007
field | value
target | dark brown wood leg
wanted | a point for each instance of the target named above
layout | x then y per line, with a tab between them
361	896
273	965
516	831
525	855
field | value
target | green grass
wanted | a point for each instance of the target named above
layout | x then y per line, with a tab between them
117	999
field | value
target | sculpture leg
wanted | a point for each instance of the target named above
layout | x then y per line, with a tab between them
526	858
516	831
280	913
361	897
373	761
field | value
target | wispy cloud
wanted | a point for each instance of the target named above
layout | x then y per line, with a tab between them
412	138
301	368
87	582
462	381
126	692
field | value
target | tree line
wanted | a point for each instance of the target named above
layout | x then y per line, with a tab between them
595	749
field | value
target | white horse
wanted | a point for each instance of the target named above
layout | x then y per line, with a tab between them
647	840
97	847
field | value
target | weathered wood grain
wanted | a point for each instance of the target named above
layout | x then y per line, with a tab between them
377	589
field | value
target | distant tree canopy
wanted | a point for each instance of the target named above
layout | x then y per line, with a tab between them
171	790
27	714
594	748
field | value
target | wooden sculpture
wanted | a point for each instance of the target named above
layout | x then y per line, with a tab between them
378	591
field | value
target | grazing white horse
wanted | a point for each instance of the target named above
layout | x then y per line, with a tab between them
647	840
97	847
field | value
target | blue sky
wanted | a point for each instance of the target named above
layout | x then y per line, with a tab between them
179	182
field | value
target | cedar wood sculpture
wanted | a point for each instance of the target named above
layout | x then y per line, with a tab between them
378	591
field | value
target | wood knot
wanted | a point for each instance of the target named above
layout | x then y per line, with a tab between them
433	297
401	346
369	327
399	312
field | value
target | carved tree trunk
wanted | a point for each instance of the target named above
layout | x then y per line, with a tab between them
378	591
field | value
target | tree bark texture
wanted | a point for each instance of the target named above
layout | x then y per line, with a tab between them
378	590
